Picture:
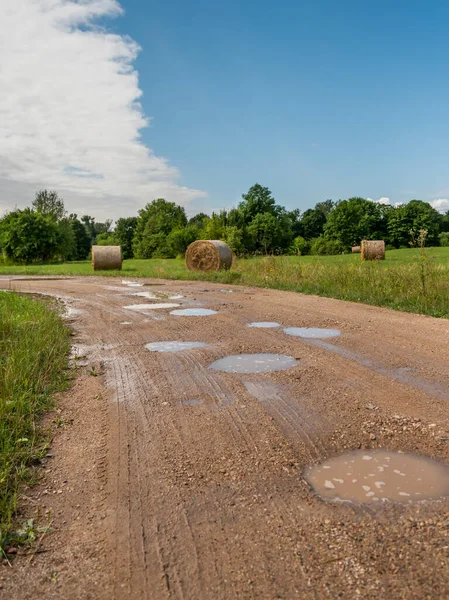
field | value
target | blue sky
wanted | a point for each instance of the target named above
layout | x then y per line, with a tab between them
315	100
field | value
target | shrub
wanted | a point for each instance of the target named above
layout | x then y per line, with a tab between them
323	245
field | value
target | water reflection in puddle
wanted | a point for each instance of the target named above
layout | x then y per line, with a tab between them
155	306
193	402
173	346
254	363
158	295
264	324
370	476
193	312
312	332
132	283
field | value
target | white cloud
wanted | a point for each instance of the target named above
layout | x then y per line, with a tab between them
381	200
69	111
441	205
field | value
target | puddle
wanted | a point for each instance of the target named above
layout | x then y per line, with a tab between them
254	363
126	323
132	283
227	291
151	306
264	324
158	295
173	346
312	332
373	476
193	402
193	312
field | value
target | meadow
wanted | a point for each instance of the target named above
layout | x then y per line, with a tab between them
412	280
34	344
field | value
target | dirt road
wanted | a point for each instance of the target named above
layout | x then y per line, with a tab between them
170	480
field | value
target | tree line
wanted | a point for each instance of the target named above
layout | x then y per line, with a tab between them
258	225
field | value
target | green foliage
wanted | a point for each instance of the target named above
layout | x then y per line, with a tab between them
444	239
155	222
49	204
82	244
27	236
33	355
322	246
355	219
265	233
299	246
124	234
258	200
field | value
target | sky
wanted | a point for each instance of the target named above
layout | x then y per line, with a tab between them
115	104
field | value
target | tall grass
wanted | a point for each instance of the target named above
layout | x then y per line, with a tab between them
411	280
34	345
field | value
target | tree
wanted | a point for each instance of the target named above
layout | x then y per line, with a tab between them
82	241
154	223
124	233
265	232
49	204
27	236
258	200
355	219
414	216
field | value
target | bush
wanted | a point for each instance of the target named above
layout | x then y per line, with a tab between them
299	246
323	246
444	239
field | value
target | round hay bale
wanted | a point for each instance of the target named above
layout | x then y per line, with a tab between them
373	250
208	255
356	249
106	257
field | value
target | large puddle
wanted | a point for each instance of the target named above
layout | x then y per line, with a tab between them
159	295
380	476
173	346
264	324
254	363
193	312
312	332
155	306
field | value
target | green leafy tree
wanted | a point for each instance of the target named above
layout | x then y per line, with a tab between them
413	216
49	204
265	233
124	234
155	222
27	236
258	200
355	219
81	240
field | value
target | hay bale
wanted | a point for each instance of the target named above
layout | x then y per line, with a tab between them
106	257
356	249
208	255
373	250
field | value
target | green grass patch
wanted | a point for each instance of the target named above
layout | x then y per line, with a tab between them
34	345
409	280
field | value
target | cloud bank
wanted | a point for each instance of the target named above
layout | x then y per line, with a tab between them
70	115
441	205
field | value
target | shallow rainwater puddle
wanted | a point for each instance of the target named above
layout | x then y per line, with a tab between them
132	283
193	312
193	402
158	295
312	332
126	323
373	476
151	306
173	346
264	324
254	363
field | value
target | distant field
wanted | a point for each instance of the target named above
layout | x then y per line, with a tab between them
407	280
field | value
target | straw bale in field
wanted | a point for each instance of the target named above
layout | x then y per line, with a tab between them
208	255
373	250
106	257
356	249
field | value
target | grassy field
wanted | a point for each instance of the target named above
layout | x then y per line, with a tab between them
409	279
34	343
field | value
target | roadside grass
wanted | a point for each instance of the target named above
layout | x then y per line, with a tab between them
411	280
34	344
